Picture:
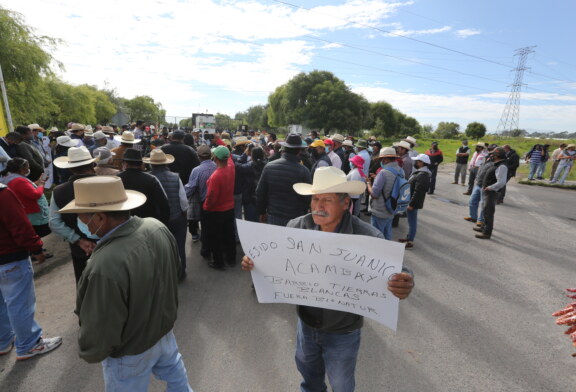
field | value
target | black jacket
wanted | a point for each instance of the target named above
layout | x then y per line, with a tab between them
156	205
419	183
275	195
513	162
185	159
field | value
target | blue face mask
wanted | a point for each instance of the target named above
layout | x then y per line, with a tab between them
327	150
382	165
85	230
40	135
351	165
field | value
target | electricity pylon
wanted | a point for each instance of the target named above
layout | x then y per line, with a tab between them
511	115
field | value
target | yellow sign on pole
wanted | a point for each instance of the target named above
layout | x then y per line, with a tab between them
3	126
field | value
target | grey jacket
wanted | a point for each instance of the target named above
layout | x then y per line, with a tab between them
329	320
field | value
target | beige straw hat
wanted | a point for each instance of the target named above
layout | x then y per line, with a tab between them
77	156
102	193
330	180
127	137
158	157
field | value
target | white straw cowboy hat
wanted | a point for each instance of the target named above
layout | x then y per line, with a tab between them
338	138
102	193
387	152
34	126
127	137
77	127
403	144
77	156
158	157
66	141
330	180
410	139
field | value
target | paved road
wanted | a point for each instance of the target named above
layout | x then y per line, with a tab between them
478	320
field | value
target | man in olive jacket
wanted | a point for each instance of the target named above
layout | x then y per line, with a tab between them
128	294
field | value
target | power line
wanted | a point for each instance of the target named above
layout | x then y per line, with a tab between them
395	34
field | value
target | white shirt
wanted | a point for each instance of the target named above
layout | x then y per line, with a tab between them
335	159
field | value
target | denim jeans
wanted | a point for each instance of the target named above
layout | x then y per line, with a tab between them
533	168
562	172
384	225
541	169
474	203
412	224
321	353
17	306
132	372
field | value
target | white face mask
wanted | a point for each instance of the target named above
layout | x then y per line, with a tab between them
27	173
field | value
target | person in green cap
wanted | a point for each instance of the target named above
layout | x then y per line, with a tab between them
219	208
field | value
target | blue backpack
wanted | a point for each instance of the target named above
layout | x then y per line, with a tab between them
399	198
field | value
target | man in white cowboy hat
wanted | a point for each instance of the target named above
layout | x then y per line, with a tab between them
413	153
276	200
110	141
328	340
185	157
77	132
126	140
403	149
80	163
177	200
128	295
381	218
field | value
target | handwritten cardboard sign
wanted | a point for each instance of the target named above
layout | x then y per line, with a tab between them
328	270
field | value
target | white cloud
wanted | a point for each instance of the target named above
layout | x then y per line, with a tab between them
429	108
465	33
413	33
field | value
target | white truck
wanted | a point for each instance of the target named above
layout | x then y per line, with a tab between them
204	122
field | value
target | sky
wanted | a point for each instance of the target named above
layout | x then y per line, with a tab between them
435	60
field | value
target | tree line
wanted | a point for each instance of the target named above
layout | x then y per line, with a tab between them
37	95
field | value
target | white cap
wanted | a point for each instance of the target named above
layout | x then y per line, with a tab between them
422	157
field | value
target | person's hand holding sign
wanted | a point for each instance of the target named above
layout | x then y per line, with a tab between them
399	284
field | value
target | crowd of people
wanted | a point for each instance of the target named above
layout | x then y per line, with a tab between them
110	181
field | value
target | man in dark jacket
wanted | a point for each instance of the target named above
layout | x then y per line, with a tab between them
177	200
136	179
26	150
185	158
512	162
17	240
436	158
494	180
321	159
276	201
328	340
80	163
419	183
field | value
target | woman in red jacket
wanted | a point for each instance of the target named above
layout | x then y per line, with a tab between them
30	194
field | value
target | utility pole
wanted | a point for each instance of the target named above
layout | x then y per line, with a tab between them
5	99
511	115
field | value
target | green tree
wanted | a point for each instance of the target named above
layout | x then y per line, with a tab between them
317	100
144	108
475	130
72	103
104	108
25	59
447	130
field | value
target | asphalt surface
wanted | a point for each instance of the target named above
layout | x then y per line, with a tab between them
479	318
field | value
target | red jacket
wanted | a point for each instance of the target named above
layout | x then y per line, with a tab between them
16	232
27	194
220	189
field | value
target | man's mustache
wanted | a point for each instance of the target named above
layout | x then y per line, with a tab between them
323	214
